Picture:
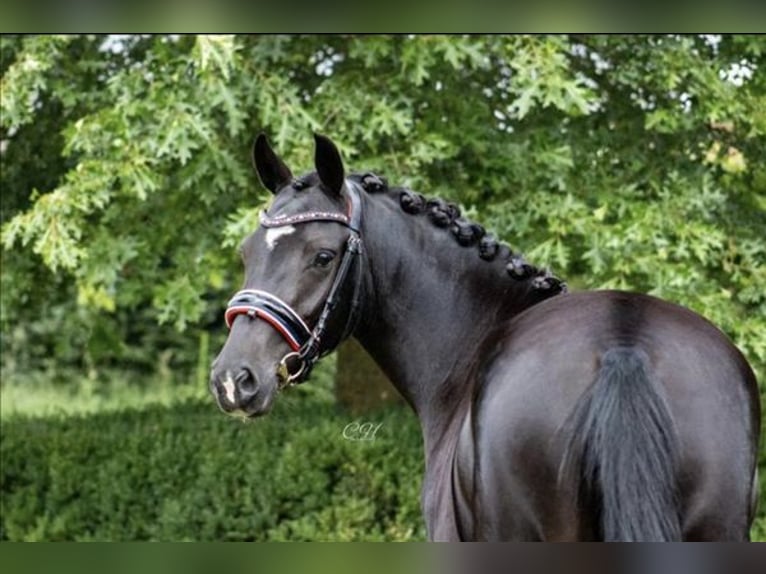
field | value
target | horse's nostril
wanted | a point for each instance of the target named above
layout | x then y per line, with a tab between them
246	382
234	389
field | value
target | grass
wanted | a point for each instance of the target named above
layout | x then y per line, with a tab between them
38	398
45	395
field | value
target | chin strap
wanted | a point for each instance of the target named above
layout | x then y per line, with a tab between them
308	345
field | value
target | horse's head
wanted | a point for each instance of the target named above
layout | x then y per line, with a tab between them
302	282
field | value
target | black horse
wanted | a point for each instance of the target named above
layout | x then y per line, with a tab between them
546	415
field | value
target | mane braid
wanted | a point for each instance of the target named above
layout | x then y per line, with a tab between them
446	215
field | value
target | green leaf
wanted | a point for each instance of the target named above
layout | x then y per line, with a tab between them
215	53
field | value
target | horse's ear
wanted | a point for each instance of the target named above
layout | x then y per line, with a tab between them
271	169
328	163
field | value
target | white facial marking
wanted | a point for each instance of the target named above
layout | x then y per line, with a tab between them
273	234
228	386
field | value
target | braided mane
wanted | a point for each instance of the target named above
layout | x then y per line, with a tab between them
447	215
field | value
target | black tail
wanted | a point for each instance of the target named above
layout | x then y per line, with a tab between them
622	453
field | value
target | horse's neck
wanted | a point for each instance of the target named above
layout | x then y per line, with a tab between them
429	307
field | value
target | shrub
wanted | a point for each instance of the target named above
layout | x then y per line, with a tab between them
188	473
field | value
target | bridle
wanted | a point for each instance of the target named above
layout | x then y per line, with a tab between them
308	345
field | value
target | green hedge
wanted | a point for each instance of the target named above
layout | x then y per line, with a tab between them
189	473
186	472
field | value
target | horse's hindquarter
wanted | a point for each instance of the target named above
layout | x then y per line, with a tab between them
529	389
549	356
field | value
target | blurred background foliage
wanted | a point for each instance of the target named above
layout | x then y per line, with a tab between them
633	162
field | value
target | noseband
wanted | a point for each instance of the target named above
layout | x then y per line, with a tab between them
308	345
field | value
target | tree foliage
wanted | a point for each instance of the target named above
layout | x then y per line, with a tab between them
631	162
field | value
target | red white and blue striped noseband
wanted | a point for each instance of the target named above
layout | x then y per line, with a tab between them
262	305
308	345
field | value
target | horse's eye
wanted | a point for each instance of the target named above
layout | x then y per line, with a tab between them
323	258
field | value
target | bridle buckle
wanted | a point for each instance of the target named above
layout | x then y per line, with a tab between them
287	377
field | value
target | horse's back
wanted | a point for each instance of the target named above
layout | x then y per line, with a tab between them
544	362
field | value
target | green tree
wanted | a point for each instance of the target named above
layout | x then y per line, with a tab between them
631	162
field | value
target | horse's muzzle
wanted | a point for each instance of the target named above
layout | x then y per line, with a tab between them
238	392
